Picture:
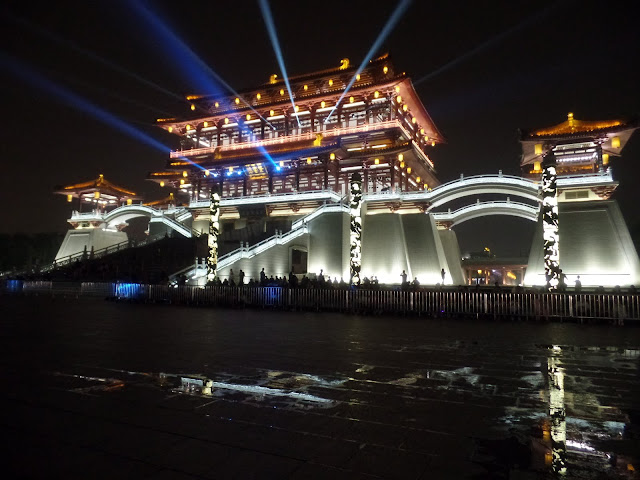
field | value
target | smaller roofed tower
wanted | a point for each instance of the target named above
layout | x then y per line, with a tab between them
98	194
579	146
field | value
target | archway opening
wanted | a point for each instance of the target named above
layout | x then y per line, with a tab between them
299	257
495	249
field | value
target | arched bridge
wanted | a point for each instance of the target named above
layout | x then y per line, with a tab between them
482	209
463	187
126	212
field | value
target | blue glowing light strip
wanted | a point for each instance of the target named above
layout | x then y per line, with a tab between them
384	33
268	21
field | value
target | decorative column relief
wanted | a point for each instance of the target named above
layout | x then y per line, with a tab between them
214	231
550	222
355	235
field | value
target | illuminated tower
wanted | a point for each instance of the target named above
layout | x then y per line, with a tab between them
592	239
272	159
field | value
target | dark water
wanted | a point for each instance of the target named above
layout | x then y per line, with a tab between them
98	389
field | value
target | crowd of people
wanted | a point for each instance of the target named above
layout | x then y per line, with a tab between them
322	281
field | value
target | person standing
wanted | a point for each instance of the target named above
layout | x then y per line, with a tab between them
404	277
241	278
443	274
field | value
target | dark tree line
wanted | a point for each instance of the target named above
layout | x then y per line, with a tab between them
20	251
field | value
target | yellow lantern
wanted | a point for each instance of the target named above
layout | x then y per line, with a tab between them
248	117
182	181
185	173
193	107
322	104
404	108
306	87
538	149
216	104
605	159
418	179
399	99
226	121
376	94
170	129
351	99
385	70
96	195
309	161
615	142
358	78
162	183
400	156
237	100
377	161
332	156
401	164
69	198
281	91
272	113
207	173
409	170
536	166
205	124
258	96
331	83
129	201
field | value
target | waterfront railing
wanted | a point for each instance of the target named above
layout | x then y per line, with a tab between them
433	302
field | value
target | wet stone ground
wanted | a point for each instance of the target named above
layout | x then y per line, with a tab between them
95	389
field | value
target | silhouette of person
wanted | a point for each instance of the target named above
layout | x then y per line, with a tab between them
578	284
404	277
443	274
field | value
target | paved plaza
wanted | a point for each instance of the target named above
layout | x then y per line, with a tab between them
94	389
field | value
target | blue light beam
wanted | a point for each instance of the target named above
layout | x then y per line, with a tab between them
271	29
501	36
266	155
197	70
68	97
96	58
382	36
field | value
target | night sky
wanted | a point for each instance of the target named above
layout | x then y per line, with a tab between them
539	61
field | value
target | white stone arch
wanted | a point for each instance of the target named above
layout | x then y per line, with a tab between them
482	209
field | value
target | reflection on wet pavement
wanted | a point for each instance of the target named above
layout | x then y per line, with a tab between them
324	396
538	437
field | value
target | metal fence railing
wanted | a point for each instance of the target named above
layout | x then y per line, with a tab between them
438	302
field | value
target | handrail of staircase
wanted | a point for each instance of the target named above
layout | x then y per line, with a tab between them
84	255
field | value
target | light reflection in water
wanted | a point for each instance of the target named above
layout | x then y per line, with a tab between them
557	413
